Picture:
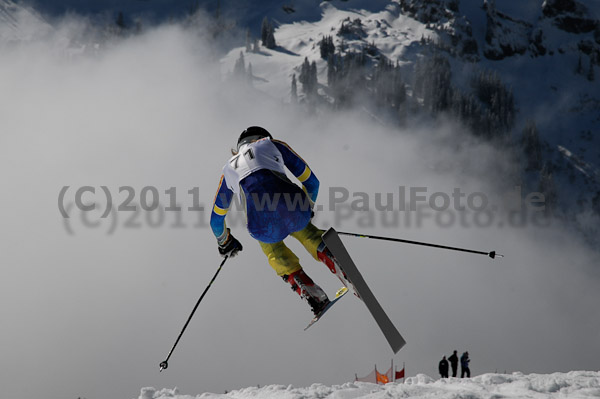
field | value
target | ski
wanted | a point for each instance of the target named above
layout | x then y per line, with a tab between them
338	295
362	290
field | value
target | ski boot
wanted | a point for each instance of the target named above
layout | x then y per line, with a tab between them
329	260
308	290
327	257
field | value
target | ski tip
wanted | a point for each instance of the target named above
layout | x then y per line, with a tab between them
399	346
310	324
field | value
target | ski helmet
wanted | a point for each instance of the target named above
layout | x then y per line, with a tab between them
251	134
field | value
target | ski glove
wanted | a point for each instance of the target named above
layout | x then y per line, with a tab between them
230	247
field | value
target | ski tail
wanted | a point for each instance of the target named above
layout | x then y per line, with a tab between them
345	262
338	295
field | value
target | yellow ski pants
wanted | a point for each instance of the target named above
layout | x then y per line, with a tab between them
283	260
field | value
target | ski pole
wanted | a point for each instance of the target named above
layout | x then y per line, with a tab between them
491	254
165	364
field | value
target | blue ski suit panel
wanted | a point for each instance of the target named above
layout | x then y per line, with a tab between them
275	207
270	218
220	207
299	168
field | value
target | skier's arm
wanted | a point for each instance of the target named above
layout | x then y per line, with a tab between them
219	211
300	169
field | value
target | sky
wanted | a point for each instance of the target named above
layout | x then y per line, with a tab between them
91	306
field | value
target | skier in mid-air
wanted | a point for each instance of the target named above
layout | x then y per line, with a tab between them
275	209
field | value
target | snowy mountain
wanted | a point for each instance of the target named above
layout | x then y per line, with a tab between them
536	54
576	384
542	56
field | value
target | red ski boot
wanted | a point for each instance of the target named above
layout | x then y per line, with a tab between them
327	257
308	290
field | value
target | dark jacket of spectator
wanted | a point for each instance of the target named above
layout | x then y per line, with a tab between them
464	365
443	367
454	363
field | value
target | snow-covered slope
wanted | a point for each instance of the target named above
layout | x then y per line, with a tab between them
576	384
537	59
395	35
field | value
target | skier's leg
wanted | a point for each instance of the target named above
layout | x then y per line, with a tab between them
310	238
286	264
281	258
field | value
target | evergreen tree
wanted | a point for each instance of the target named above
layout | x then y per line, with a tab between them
313	77
380	82
590	74
271	44
419	78
548	188
308	77
579	69
239	69
138	27
248	41
342	47
532	147
265	28
193	8
330	46
398	87
351	78
434	83
326	47
250	76
120	22
331	71
304	72
294	90
304	77
322	48
267	34
498	100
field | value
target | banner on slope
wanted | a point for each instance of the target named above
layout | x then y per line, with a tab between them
400	374
383	378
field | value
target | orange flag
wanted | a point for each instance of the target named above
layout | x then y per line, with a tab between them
382	378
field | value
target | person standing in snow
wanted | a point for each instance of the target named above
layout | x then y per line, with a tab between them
464	365
275	209
454	363
443	367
